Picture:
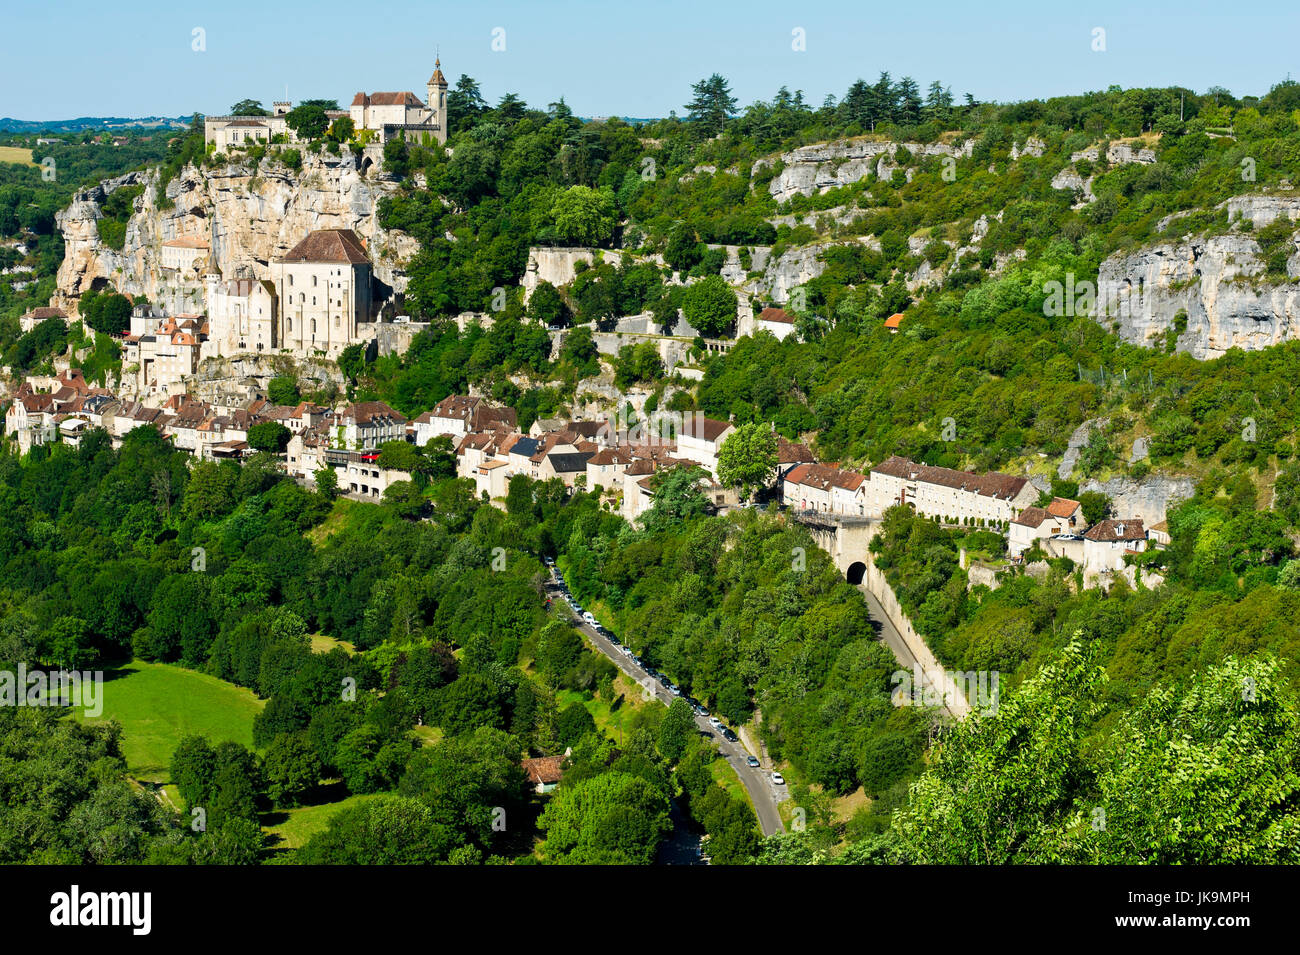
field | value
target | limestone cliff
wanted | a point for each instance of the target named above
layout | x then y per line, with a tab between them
820	167
249	215
1216	281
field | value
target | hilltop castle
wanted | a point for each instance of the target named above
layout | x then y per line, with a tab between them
387	115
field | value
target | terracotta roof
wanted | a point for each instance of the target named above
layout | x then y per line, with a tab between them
387	99
893	321
776	315
787	452
329	245
1031	517
437	79
1062	507
993	484
823	477
545	770
369	412
702	428
40	314
1108	531
186	242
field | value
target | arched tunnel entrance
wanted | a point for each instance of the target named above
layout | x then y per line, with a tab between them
857	570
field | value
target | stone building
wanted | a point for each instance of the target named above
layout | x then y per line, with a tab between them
322	286
390	115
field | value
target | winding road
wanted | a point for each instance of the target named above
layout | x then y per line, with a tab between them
763	793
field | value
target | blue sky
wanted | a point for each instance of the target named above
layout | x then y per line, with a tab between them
74	58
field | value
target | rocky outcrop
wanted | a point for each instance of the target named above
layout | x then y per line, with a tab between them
1148	500
821	167
1215	281
1033	147
248	214
555	265
794	267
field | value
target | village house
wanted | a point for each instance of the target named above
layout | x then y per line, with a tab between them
366	425
776	321
243	314
568	466
29	320
701	438
186	256
820	487
948	495
605	468
457	415
544	772
361	477
1106	543
1061	516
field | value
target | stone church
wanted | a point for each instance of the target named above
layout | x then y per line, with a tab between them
386	114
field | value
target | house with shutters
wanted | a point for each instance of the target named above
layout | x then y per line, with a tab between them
366	425
827	489
948	495
1061	516
1107	542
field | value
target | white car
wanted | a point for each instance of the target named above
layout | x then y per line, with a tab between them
715	722
778	779
587	616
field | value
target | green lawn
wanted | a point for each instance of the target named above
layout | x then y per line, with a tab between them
295	826
158	703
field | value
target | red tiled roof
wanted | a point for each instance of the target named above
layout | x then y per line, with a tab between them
776	315
993	484
1062	507
893	321
329	245
1031	517
823	477
545	770
1109	531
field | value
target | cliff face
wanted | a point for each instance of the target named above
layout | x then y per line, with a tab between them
249	216
1215	280
823	166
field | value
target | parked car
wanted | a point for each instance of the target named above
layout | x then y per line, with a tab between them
715	722
729	736
674	689
752	761
778	779
589	617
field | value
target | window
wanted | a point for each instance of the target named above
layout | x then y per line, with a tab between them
313	281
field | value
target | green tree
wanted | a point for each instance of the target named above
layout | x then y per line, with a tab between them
292	768
611	819
748	458
583	216
249	107
677	731
710	305
712	104
308	120
269	436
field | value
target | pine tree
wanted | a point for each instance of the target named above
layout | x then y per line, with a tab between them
713	103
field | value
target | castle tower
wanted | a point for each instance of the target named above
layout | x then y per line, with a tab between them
438	99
